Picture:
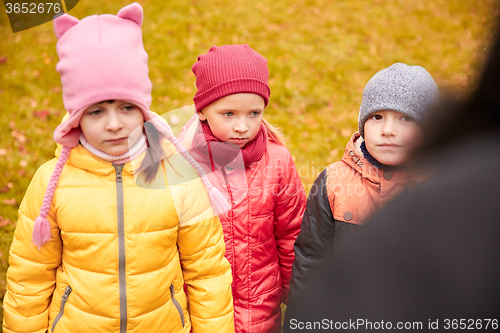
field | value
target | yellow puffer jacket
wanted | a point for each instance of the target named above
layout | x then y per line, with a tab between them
116	268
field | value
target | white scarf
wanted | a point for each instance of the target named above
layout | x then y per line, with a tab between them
137	148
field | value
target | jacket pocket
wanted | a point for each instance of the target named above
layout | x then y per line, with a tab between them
176	303
64	299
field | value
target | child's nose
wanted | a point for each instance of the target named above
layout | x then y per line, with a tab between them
114	122
241	126
389	128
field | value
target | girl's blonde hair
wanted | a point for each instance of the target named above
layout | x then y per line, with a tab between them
274	133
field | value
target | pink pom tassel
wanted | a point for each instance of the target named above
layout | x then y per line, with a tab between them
41	231
219	203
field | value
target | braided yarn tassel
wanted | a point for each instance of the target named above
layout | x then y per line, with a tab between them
41	230
219	203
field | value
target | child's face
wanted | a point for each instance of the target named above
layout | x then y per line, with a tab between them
235	118
392	137
107	126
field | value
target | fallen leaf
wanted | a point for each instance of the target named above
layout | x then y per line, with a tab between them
23	163
3	60
22	149
3	151
334	152
6	188
10	202
4	222
19	136
346	132
42	114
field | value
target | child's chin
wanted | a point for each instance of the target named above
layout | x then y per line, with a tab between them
116	152
394	162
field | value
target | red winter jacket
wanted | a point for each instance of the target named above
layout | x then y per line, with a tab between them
268	201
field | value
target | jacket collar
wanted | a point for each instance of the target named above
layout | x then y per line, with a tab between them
83	159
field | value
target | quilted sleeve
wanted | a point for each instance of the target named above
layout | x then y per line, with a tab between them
288	211
316	235
207	273
31	276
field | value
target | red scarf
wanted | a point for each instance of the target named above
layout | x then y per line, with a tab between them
221	153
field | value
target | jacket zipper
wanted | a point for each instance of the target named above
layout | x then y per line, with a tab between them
121	248
227	186
64	299
176	303
230	213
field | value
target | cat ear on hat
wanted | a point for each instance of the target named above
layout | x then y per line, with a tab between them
63	23
132	12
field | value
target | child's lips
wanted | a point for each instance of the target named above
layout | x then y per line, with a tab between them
116	141
389	146
238	140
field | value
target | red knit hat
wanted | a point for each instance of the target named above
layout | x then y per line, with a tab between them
227	70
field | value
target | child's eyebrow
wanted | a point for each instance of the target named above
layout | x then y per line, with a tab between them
111	101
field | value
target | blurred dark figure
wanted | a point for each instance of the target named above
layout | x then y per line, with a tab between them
429	260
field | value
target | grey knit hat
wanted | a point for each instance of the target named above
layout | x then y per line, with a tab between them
402	88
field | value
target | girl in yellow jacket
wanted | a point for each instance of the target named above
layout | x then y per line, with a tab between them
104	226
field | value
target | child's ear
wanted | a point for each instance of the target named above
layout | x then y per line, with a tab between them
132	12
201	116
63	23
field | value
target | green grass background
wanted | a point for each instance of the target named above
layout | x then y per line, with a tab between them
320	53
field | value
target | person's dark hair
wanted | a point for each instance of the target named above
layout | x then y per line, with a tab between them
154	154
478	113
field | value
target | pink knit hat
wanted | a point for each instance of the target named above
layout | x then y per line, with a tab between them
230	69
103	58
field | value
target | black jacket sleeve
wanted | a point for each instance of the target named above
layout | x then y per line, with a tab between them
316	238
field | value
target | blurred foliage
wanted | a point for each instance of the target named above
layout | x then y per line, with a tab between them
320	53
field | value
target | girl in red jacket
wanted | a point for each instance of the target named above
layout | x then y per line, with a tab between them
246	159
